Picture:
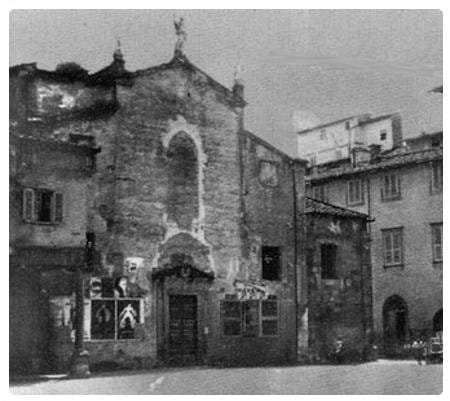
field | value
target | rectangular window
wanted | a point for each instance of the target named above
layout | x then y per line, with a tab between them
392	246
355	195
436	241
319	192
436	176
250	322
271	263
383	135
390	187
269	318
231	318
323	134
250	318
115	319
42	206
328	253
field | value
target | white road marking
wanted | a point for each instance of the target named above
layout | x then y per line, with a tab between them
156	383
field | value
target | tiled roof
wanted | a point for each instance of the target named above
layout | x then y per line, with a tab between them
392	160
319	207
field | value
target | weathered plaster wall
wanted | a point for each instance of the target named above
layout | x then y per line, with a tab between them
341	307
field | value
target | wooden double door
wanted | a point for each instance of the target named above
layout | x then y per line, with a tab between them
183	328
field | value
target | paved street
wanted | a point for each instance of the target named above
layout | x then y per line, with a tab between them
381	377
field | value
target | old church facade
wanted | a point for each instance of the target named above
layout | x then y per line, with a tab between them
198	223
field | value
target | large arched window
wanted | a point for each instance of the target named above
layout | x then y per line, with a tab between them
182	200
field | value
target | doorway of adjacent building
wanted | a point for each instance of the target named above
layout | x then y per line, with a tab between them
395	324
183	338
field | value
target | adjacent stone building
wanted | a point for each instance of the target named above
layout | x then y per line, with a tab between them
198	223
339	280
402	190
50	182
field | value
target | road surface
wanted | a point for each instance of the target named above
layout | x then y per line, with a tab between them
381	377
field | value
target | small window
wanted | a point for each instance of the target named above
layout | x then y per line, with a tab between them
328	253
390	187
319	192
347	125
355	194
392	247
436	176
268	173
231	318
383	135
323	134
436	242
42	206
271	263
269	318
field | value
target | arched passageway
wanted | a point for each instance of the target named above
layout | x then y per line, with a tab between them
395	324
438	321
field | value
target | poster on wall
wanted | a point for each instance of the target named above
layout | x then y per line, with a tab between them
128	312
60	311
87	319
103	319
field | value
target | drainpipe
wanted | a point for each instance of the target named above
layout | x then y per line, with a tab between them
297	277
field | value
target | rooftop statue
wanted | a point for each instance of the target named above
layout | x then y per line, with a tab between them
181	36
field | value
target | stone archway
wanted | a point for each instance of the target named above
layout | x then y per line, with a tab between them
395	324
183	279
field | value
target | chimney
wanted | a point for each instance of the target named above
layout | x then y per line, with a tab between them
118	60
238	84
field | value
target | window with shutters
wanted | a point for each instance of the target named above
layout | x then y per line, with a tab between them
42	206
231	318
269	317
436	176
250	318
250	323
355	195
392	247
390	187
436	242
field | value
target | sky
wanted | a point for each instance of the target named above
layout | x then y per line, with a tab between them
300	67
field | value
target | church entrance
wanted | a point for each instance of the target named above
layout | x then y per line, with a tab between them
183	337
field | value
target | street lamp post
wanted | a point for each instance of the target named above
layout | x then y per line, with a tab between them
80	358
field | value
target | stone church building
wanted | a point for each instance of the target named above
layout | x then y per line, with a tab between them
197	223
